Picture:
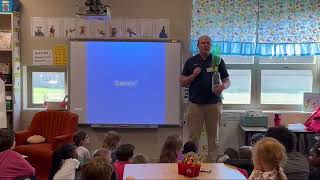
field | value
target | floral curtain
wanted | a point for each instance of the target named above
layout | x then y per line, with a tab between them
289	27
258	27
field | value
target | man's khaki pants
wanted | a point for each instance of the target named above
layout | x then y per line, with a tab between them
211	115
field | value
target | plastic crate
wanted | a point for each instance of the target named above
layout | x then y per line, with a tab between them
254	121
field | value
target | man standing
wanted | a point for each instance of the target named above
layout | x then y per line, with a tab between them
206	103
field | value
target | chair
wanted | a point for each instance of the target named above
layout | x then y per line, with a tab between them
57	127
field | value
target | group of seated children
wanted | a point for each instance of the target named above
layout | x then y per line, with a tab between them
72	161
270	157
273	156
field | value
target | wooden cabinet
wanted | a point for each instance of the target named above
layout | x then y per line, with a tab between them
10	65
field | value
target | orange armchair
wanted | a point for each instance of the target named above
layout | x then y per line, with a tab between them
57	127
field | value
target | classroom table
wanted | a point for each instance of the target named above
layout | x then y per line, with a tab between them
249	131
170	171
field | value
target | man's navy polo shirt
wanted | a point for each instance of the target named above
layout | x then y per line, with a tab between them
200	91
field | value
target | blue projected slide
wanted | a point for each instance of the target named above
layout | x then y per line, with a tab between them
126	82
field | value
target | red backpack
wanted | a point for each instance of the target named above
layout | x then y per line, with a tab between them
313	122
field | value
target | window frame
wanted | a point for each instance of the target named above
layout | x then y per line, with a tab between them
31	69
250	67
256	69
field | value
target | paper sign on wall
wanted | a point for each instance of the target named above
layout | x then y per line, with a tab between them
60	55
42	57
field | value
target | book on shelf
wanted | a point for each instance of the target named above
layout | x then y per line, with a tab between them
5	68
9	103
5	40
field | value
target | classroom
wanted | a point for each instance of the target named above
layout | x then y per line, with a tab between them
163	79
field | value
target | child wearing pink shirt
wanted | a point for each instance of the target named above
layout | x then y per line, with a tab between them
12	164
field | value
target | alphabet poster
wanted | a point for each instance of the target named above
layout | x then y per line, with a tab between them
132	28
69	28
100	28
146	28
116	28
39	27
84	28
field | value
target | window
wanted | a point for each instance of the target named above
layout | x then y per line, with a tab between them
285	86
270	82
239	92
46	84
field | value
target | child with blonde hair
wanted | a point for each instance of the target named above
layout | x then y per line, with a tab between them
105	153
102	152
139	159
99	168
111	142
268	155
171	149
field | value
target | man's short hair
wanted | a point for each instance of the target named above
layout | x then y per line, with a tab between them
203	36
283	135
6	139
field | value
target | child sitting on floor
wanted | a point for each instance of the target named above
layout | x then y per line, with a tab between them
12	164
64	163
244	161
124	153
139	159
255	138
99	168
104	153
229	153
268	155
81	138
170	149
111	142
314	160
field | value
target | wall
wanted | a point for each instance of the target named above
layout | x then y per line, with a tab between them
177	11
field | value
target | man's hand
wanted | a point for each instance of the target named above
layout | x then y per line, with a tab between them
185	81
196	71
217	89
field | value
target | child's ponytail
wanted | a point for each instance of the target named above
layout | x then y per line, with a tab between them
277	167
56	164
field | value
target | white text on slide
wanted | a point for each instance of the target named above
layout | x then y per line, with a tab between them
126	83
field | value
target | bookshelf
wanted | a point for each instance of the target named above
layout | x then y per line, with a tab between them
10	65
